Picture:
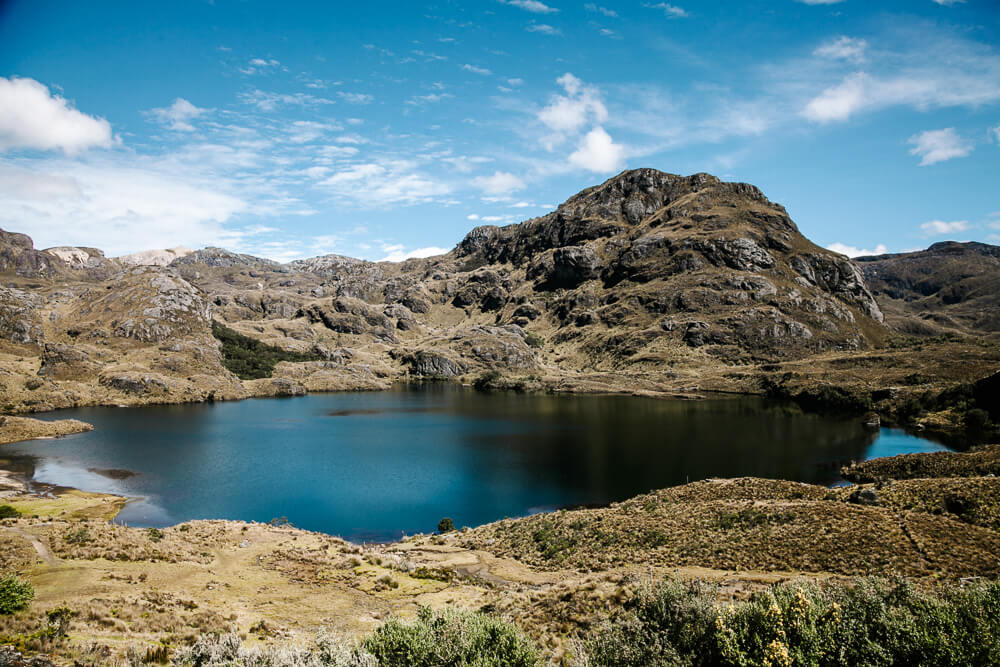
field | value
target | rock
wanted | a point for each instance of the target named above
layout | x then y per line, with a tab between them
19	319
135	383
66	362
986	391
572	266
528	311
431	363
867	496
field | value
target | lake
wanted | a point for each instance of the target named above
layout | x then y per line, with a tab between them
373	466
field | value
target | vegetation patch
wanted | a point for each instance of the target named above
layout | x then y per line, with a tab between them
250	359
868	622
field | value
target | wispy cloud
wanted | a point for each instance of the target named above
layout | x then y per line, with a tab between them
670	11
476	70
543	28
844	48
936	146
531	6
178	116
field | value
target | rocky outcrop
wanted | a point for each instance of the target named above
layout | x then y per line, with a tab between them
147	304
19	319
18	256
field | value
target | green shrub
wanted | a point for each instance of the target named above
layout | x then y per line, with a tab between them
869	622
15	593
251	359
79	536
534	340
446	525
155	534
8	512
833	400
451	637
487	381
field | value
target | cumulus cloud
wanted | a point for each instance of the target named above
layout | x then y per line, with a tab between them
939	145
397	253
598	153
852	251
499	183
940	227
178	116
995	133
568	114
843	48
31	117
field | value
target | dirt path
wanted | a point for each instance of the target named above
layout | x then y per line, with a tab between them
40	547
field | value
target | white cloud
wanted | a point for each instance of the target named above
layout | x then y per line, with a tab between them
304	131
995	133
568	114
266	101
178	116
500	182
543	28
598	153
940	227
939	145
819	2
476	70
396	253
384	183
671	11
610	13
531	5
843	48
31	117
118	209
356	98
947	3
851	251
945	74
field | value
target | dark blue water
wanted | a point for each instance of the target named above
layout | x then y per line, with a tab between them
373	466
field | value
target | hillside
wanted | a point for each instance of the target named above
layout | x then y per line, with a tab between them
949	287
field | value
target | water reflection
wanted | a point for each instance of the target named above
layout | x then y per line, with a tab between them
375	465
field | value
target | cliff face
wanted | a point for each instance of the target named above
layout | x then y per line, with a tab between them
949	287
648	273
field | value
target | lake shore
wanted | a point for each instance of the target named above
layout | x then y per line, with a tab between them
556	575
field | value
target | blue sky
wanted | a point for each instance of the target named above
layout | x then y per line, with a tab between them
388	129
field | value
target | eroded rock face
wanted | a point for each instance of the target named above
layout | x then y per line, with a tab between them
19	319
18	256
434	363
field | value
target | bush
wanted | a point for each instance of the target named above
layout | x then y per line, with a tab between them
155	534
534	340
976	420
451	637
15	593
446	525
870	622
251	359
8	512
833	400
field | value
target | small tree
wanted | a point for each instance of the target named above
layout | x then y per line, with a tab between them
15	594
446	525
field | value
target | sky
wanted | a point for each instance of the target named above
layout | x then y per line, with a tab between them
387	130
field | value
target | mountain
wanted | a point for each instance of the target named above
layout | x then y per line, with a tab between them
648	281
949	287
